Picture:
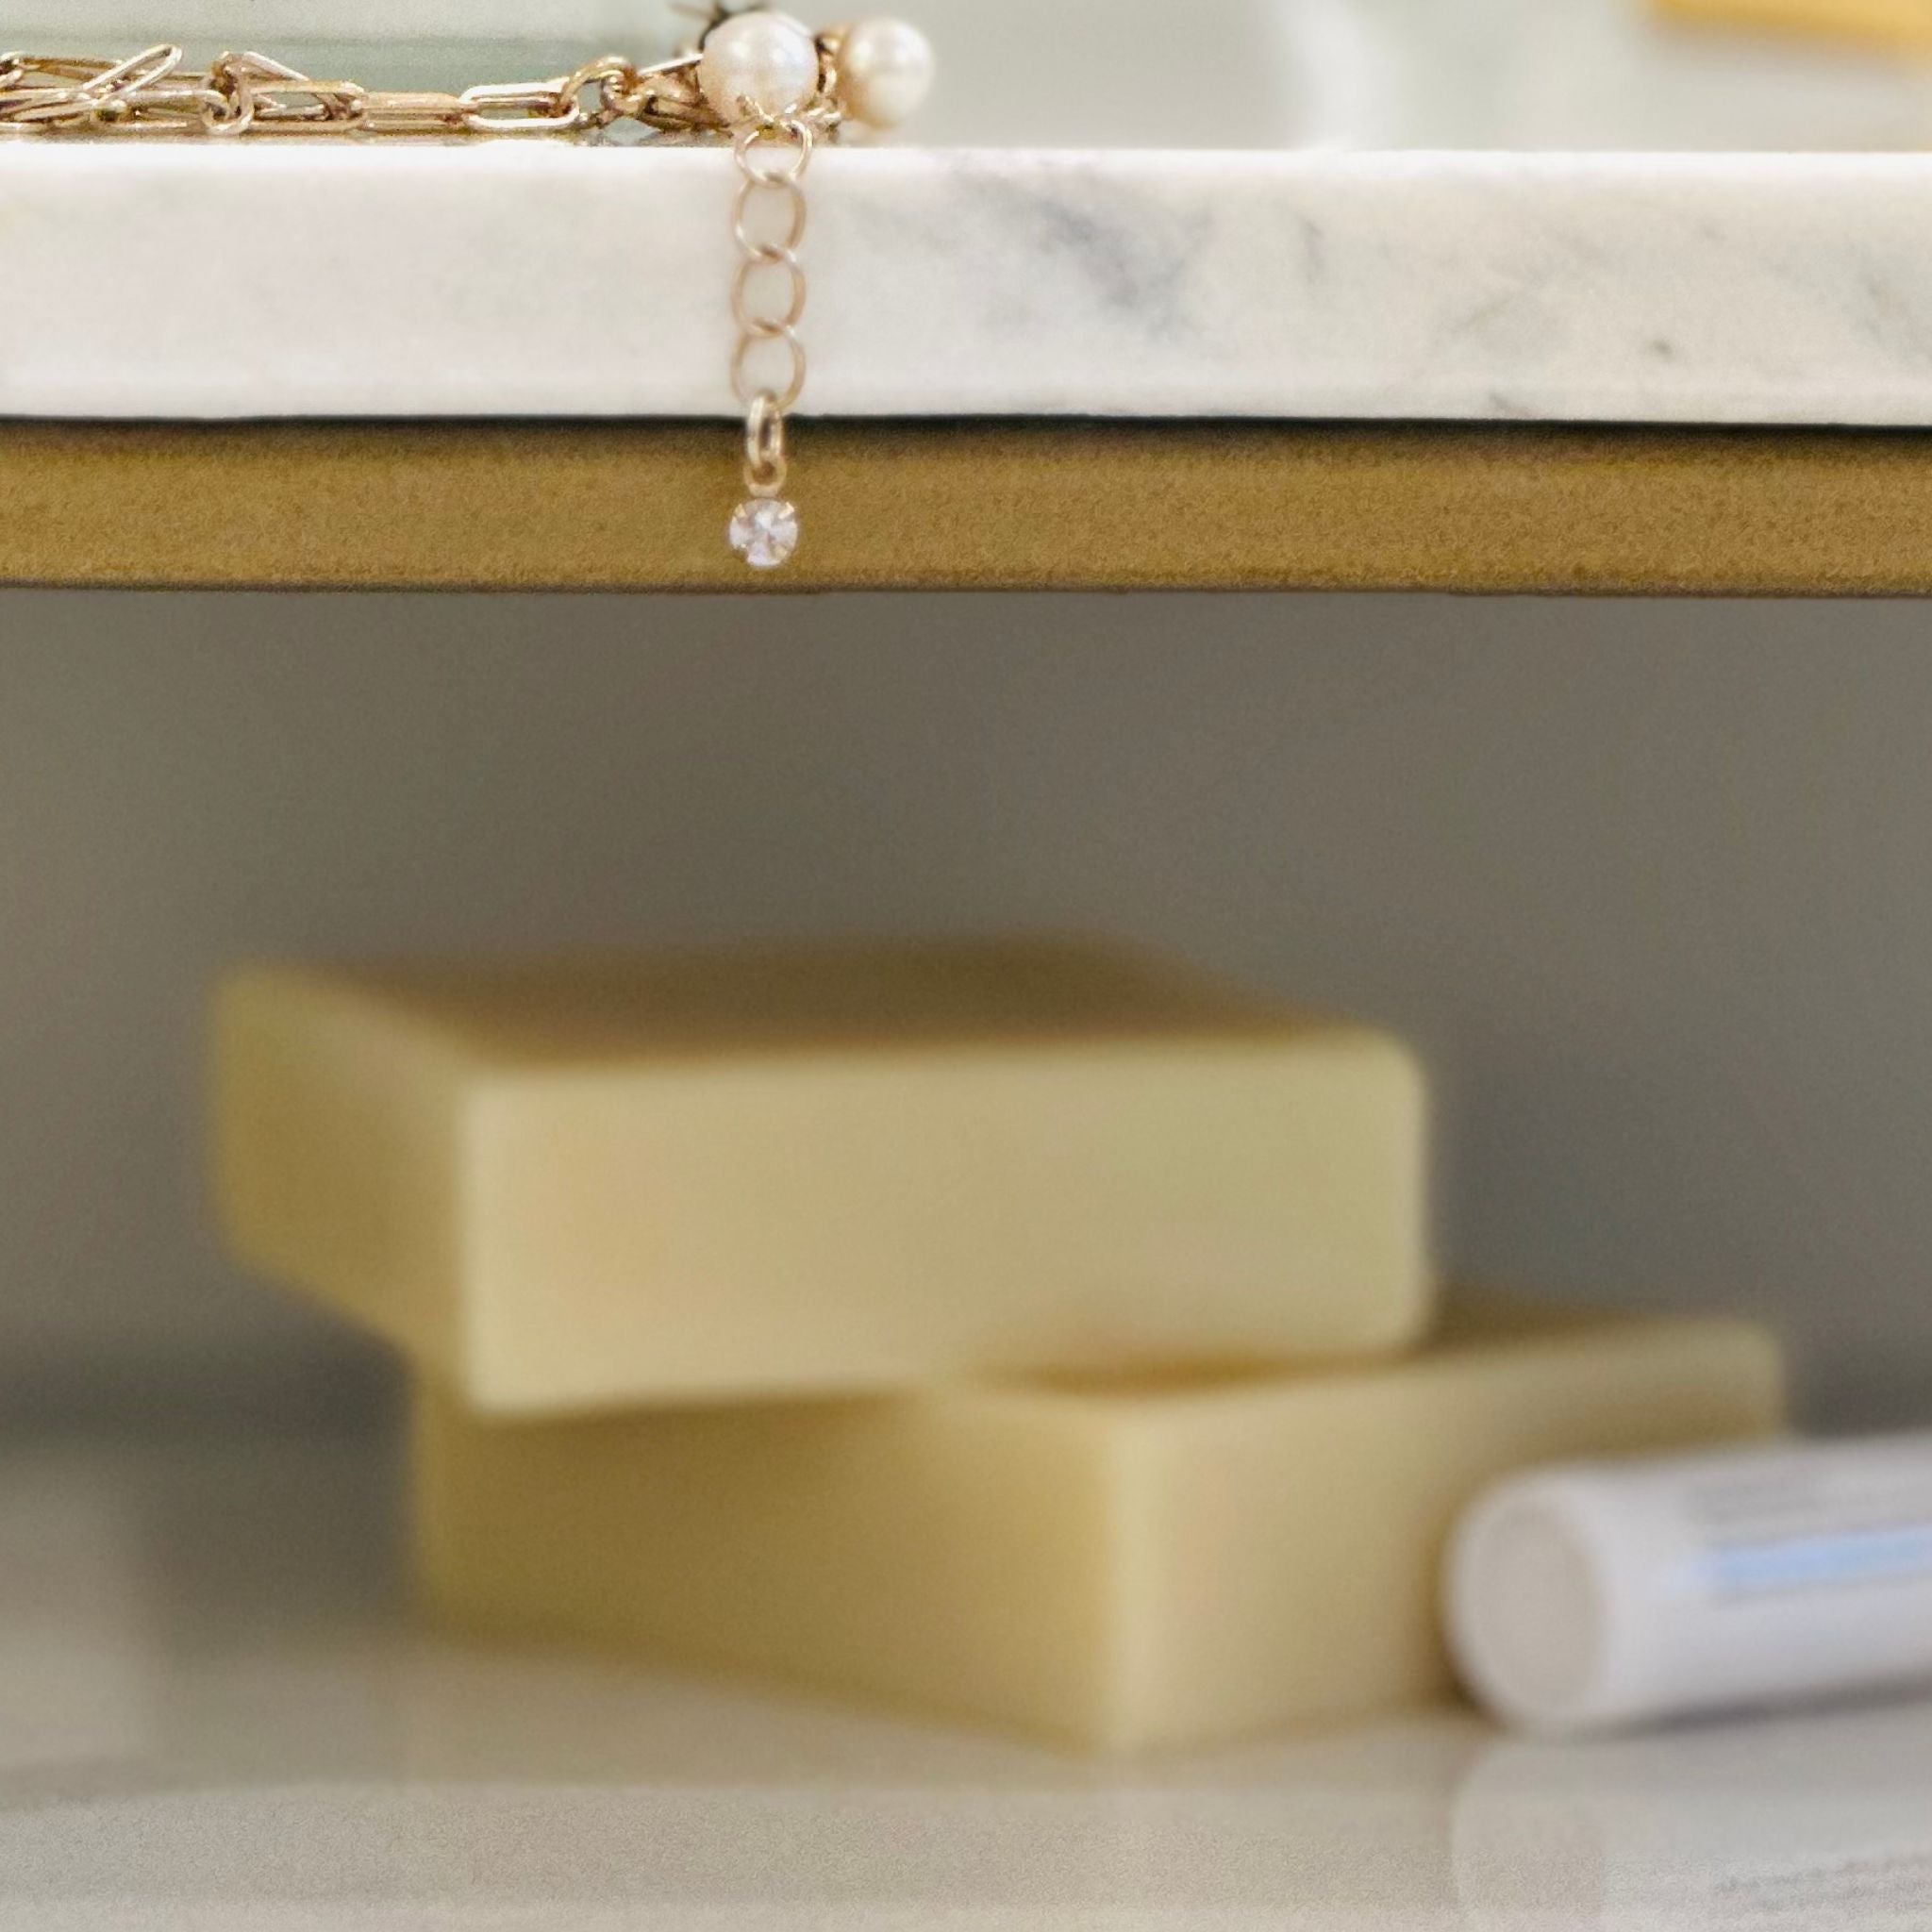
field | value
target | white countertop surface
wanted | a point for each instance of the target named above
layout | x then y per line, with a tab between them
1503	210
212	1716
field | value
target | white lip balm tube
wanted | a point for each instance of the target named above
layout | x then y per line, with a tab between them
1605	1596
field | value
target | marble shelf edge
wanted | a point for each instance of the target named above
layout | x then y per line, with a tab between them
308	280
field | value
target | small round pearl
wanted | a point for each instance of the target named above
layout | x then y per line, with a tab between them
885	72
757	66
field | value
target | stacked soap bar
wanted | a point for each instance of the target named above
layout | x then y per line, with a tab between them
1030	1332
586	1186
1119	1563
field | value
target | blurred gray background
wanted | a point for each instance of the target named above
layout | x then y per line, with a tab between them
1650	884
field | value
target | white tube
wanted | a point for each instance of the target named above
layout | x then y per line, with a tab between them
1606	1595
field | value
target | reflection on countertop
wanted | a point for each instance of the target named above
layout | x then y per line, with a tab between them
213	1714
1819	1822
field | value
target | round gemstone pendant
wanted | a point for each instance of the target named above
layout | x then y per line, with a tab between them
764	531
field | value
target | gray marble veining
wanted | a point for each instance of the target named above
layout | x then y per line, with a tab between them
1475	208
443	280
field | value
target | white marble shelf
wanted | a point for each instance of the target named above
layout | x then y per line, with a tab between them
1373	208
212	1720
315	279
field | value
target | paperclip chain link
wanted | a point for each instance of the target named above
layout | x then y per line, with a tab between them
156	94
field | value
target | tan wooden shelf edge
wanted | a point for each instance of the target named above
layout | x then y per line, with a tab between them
1008	506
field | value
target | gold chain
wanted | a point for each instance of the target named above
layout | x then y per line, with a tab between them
156	94
768	301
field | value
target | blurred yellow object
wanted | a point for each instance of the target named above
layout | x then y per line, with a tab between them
592	1184
1898	23
1120	1563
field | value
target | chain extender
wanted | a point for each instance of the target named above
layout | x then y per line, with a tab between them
755	77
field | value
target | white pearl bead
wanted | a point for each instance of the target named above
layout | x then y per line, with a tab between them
757	66
886	71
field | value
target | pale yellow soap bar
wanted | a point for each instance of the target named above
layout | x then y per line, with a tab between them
594	1186
1120	1564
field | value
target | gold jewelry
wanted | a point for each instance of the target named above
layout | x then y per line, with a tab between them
755	77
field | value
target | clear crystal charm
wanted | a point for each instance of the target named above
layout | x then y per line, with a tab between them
764	531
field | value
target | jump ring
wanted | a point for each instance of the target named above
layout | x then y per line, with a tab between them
740	369
605	85
764	444
748	318
800	211
796	153
228	103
